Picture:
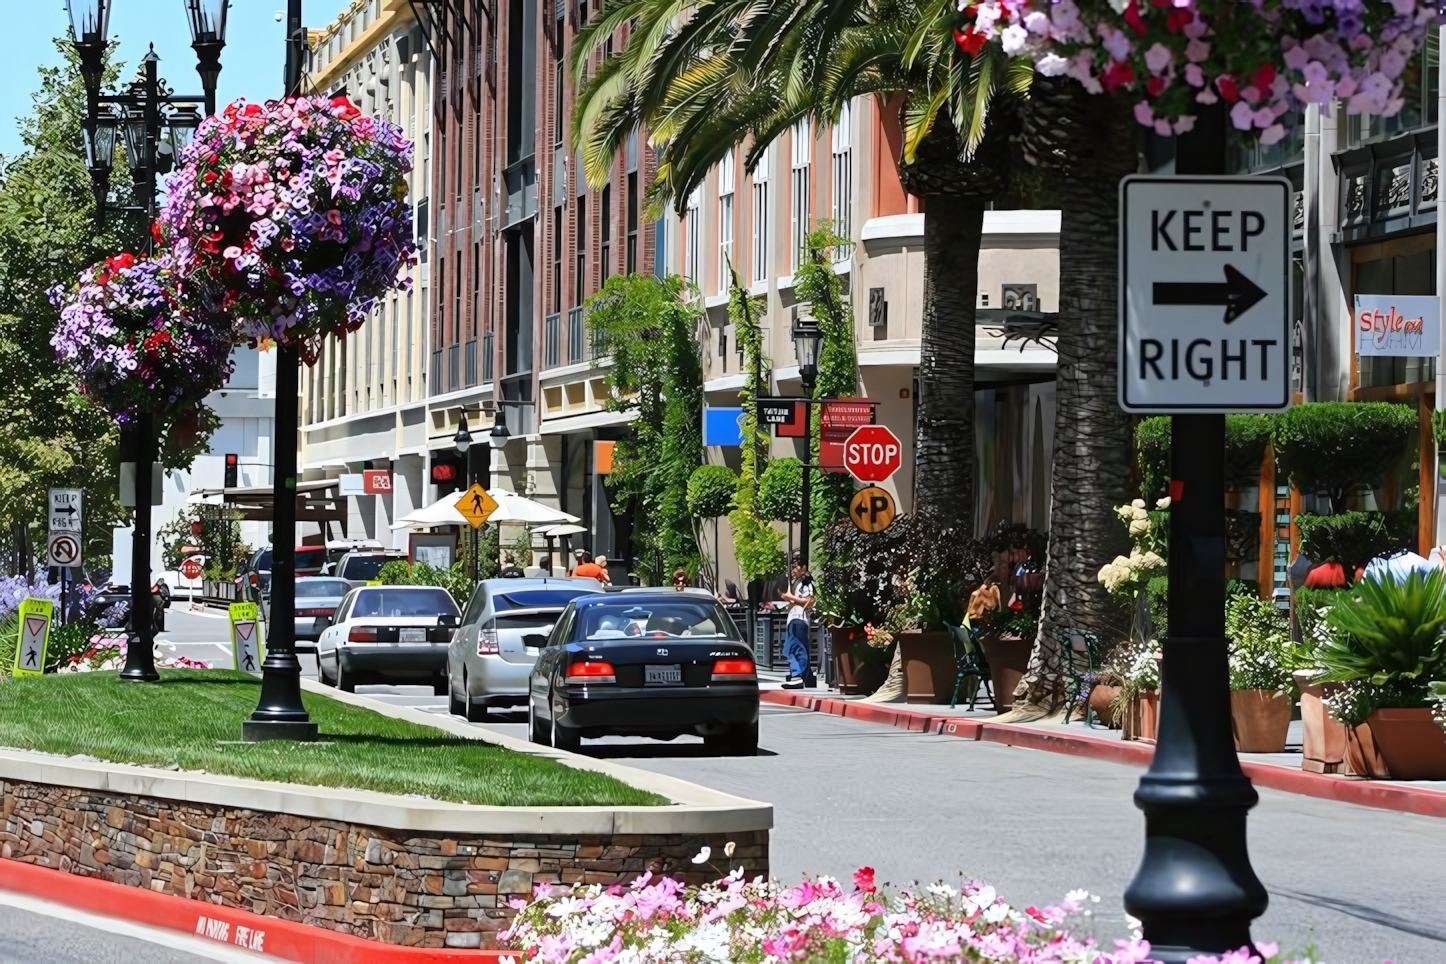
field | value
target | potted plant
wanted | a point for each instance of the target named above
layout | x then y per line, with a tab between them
1007	642
1385	648
1262	691
1137	706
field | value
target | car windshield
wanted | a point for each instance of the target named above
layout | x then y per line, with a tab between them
403	601
310	558
318	588
363	567
690	617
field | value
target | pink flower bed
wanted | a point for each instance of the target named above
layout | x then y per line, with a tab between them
660	920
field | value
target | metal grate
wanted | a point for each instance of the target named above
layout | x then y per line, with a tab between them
454	367
469	363
575	335
551	335
487	350
436	387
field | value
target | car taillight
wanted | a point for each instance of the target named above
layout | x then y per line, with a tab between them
362	634
254	580
487	642
314	612
734	669
598	672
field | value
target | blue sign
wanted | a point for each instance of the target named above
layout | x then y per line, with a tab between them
723	426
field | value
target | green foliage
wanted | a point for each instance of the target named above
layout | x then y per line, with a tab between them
220	539
1246	437
489	552
520	549
1355	538
1157	590
188	721
710	491
780	490
1338	447
651	328
1261	654
67	643
756	545
50	435
454	579
1386	629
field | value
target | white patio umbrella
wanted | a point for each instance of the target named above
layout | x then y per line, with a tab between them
511	507
558	531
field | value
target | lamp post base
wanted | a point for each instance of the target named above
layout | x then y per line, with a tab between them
138	668
259	731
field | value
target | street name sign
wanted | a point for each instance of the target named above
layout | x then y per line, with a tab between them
65	510
1204	320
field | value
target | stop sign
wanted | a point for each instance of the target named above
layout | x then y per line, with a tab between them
872	453
191	568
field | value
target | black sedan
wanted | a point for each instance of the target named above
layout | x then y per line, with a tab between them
655	663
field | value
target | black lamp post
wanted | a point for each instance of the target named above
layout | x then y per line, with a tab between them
208	35
279	714
145	113
806	338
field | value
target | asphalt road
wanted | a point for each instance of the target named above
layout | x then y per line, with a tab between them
1362	885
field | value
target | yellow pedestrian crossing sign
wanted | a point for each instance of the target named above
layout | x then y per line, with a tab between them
476	505
35	615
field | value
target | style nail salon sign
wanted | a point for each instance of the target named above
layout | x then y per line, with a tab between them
1398	325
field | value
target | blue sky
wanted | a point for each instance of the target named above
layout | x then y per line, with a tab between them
251	63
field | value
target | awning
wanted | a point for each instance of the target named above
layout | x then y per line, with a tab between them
314	502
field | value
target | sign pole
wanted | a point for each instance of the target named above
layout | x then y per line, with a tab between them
1196	891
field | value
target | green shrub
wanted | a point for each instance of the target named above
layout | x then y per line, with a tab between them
1245	439
1354	538
1338	447
1312	606
710	491
67	642
1261	654
1386	629
454	579
780	491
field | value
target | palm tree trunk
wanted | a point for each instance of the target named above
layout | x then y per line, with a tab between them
1091	472
944	448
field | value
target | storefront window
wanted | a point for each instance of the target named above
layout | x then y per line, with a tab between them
1413	274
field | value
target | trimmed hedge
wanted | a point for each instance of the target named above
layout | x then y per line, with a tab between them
710	491
1355	538
1246	437
780	491
1338	447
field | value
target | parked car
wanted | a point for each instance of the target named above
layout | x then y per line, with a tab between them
315	596
387	633
506	625
256	575
360	567
336	548
657	664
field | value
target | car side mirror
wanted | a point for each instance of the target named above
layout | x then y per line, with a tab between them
320	625
535	640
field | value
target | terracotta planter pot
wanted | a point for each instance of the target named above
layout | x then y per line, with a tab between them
1260	719
1363	759
929	668
1102	699
1142	721
1324	749
1008	657
1410	742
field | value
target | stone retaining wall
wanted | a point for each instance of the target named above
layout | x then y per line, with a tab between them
400	887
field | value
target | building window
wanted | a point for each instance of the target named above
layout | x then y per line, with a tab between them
842	208
802	149
725	222
557	91
457	299
760	217
556	260
476	284
579	281
606	214
692	229
409	346
632	222
396	337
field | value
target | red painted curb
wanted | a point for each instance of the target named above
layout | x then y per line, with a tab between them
285	939
1365	793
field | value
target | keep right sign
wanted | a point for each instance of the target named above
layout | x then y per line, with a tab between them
1204	294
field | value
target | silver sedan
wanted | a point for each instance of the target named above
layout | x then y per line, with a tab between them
504	628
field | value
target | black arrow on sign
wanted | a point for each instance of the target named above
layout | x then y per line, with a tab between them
1237	293
68	509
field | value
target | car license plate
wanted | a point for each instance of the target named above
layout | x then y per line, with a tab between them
663	675
414	636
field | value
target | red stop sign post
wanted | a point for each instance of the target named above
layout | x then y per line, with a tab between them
191	569
873	453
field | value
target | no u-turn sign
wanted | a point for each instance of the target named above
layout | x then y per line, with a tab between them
1204	294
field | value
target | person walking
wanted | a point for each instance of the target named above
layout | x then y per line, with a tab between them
799	597
587	569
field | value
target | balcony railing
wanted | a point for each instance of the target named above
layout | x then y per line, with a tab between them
487	352
436	387
551	334
469	363
599	345
576	333
454	367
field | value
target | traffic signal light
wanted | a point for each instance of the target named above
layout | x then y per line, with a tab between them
232	464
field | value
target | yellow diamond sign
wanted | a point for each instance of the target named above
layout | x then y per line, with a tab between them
476	505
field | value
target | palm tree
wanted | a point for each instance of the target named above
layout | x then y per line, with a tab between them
707	78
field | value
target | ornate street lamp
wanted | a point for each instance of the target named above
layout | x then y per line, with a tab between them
499	434
90	26
100	135
806	338
463	438
208	36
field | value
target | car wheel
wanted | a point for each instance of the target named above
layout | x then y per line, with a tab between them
454	705
537	732
736	741
346	682
565	737
321	671
442	684
473	712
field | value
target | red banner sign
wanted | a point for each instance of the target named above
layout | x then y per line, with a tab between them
839	419
377	481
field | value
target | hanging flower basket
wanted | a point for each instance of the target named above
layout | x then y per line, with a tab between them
131	347
1266	60
291	217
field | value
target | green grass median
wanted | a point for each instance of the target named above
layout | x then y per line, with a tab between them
191	719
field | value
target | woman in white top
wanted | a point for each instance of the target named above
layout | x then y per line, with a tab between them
795	643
